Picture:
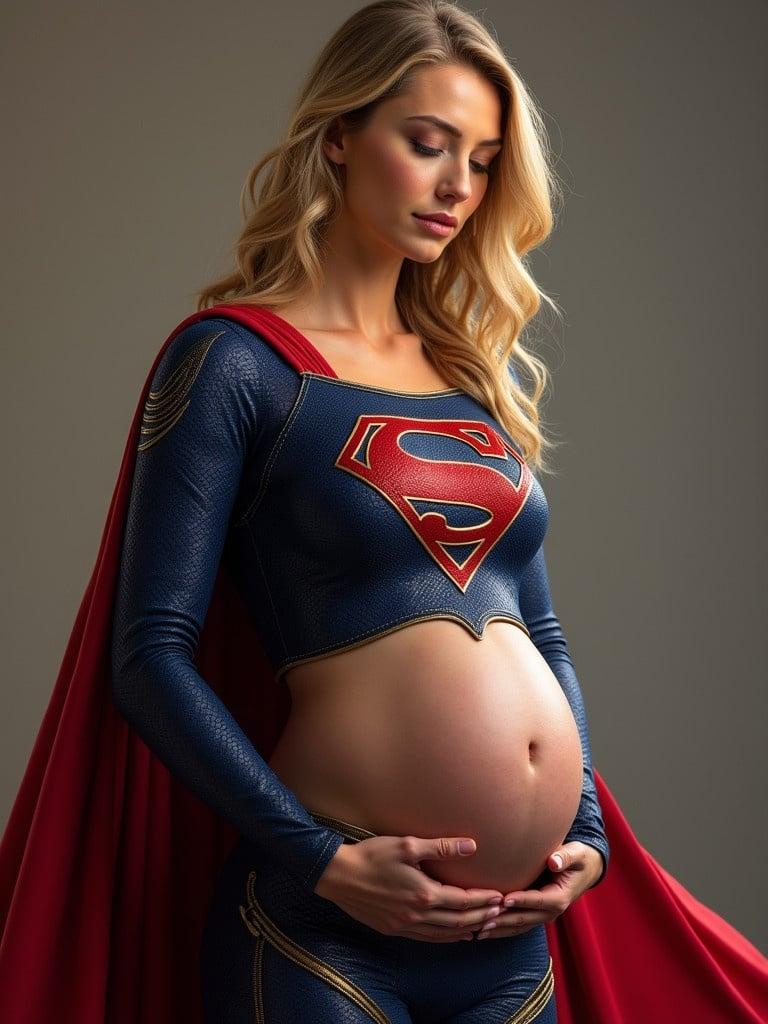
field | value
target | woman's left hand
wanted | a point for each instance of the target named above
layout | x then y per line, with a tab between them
575	866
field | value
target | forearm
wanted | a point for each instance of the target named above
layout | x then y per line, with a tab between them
201	423
188	727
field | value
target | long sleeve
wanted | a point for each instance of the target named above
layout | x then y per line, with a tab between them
547	634
200	419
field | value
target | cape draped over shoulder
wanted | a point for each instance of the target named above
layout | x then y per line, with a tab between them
107	863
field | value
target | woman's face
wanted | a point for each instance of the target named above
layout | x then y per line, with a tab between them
403	164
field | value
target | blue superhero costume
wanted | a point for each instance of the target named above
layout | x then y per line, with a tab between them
343	511
112	867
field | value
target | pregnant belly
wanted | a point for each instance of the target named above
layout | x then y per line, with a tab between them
428	732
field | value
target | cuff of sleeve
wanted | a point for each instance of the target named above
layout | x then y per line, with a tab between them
335	840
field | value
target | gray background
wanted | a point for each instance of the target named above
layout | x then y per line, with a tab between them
130	132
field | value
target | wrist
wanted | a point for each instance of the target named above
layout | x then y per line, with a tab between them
336	869
595	863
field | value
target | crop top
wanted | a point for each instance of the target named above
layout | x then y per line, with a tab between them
343	511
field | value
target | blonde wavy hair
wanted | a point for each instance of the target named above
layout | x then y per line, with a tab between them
470	305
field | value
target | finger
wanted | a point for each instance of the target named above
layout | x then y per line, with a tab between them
461	920
513	924
531	899
449	897
452	897
480	896
564	857
436	935
415	849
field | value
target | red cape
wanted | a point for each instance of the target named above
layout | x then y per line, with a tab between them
107	863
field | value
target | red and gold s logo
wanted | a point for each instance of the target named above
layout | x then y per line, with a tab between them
373	453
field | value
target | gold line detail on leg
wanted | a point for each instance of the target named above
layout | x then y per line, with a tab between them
258	996
536	1001
261	925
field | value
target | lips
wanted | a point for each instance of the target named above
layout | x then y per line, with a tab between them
439	218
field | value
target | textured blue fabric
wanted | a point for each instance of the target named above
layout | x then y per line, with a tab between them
381	508
202	421
270	953
337	526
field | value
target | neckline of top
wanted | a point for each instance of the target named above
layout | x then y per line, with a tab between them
333	379
328	371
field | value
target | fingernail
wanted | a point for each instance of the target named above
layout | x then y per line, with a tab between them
494	901
558	860
466	846
508	902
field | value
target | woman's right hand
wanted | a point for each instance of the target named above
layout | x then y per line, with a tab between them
378	881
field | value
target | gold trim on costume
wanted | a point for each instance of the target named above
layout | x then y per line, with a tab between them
258	1002
264	929
164	408
536	1001
355	832
262	926
338	381
360	641
402	467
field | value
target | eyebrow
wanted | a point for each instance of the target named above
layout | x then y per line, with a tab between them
450	128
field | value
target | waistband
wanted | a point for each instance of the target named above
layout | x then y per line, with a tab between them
348	830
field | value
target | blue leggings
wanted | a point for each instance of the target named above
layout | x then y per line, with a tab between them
275	953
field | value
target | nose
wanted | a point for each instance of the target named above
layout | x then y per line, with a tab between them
457	185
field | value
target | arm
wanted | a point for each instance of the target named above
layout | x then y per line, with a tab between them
547	634
201	418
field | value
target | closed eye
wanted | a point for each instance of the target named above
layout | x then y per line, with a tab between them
429	151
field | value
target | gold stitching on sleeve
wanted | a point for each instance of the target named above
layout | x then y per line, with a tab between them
164	408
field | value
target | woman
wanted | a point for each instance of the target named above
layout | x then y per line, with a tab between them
335	454
372	579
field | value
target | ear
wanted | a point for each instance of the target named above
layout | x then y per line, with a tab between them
333	141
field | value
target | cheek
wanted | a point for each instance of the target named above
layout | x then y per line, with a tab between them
479	193
394	175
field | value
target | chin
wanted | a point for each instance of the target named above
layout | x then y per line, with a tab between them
422	256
